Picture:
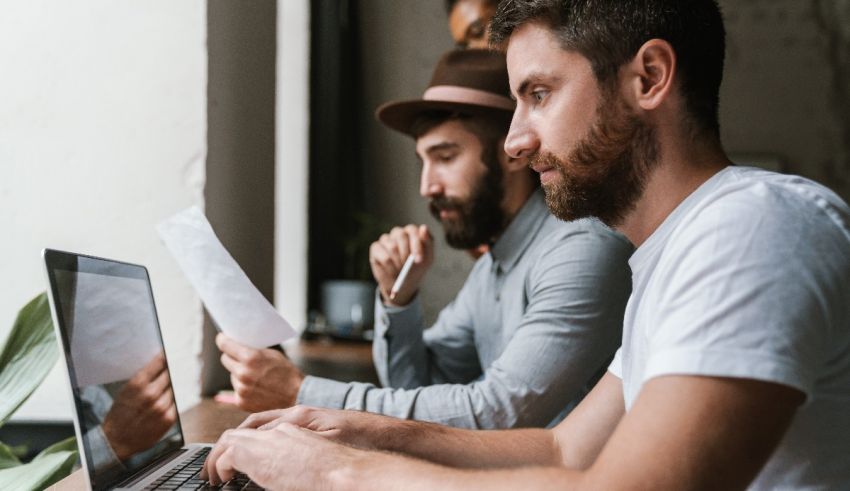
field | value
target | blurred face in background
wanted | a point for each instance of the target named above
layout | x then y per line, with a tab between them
469	21
462	183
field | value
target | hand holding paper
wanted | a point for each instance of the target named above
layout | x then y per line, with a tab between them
234	303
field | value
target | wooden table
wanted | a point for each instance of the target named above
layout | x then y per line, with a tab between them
207	420
346	361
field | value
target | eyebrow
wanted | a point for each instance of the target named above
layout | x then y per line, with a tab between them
442	146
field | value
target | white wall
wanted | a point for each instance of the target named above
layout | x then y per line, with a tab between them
291	157
102	135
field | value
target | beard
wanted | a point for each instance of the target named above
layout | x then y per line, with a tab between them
606	173
480	217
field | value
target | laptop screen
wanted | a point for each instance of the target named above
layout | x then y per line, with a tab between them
122	391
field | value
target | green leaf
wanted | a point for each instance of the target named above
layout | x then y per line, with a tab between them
67	445
8	457
29	354
38	474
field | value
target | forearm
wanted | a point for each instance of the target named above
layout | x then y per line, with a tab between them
469	448
493	403
371	471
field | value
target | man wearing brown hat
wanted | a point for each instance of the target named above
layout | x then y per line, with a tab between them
537	319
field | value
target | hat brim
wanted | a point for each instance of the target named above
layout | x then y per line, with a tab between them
401	115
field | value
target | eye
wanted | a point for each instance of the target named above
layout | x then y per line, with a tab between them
446	157
539	94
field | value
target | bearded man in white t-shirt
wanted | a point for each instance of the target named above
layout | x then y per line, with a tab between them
735	366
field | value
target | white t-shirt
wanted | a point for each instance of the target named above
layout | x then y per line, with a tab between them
749	277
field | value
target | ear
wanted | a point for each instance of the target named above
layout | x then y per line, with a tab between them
510	164
651	74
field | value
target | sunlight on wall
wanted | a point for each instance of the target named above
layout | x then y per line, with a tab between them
102	135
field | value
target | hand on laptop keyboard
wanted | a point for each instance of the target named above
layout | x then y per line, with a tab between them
187	477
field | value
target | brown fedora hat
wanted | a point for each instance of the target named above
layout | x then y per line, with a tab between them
469	81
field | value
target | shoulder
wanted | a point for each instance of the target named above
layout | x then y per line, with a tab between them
765	206
582	251
587	236
758	227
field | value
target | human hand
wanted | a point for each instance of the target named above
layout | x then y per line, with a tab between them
388	254
357	428
142	411
286	457
262	379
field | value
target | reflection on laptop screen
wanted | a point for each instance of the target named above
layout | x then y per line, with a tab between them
122	391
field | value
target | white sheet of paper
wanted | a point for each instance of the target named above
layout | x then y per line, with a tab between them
234	303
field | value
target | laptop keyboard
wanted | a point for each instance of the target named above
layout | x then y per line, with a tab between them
186	476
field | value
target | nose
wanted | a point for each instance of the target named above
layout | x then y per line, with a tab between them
521	141
429	182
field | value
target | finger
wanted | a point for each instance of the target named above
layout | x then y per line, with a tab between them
234	455
296	415
393	255
232	366
164	403
257	420
383	260
160	383
152	368
238	389
209	471
412	232
224	466
272	424
400	236
236	350
384	270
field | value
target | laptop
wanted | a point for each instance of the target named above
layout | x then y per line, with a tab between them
128	430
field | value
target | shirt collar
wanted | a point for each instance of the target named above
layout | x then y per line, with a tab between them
520	232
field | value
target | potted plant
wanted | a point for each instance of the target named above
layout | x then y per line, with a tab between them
28	355
348	303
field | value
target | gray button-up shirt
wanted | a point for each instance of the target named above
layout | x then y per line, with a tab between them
536	321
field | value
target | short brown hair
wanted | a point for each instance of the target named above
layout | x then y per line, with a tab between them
609	33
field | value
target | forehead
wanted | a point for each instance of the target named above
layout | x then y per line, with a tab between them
451	132
533	51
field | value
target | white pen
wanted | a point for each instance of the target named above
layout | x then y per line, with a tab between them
402	275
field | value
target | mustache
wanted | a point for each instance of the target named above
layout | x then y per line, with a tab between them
545	158
444	203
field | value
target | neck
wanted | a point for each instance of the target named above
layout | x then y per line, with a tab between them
517	192
683	166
